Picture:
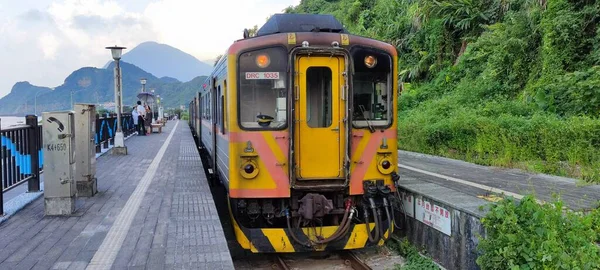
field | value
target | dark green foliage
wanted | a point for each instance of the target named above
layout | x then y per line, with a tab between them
528	235
497	82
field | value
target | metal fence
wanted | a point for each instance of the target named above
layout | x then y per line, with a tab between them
21	155
106	127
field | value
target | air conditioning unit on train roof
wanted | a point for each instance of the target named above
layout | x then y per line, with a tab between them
290	23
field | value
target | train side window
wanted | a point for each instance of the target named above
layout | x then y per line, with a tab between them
218	106
223	102
205	106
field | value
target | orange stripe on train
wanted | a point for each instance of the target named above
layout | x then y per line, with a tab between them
266	154
360	170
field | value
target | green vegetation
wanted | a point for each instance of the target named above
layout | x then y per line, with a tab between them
414	260
528	235
185	115
512	83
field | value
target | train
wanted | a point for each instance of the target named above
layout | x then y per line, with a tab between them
299	123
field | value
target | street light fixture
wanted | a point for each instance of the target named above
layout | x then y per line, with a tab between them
119	147
143	82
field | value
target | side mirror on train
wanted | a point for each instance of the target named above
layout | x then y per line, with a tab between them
246	33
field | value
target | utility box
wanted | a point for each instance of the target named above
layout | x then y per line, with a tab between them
85	147
59	163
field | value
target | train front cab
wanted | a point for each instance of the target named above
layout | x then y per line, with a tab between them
330	112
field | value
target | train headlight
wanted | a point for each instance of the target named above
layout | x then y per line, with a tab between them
370	61
263	61
385	166
249	169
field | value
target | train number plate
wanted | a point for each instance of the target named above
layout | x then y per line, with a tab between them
262	75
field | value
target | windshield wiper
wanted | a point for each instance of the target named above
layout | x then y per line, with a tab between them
362	108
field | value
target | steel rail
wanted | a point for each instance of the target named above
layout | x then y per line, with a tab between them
354	261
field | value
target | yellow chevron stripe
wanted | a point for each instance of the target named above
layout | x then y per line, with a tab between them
279	240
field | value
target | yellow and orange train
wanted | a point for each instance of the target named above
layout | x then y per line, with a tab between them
299	124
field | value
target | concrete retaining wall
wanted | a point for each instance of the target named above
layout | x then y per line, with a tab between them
451	241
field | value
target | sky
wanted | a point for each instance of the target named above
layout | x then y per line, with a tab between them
43	41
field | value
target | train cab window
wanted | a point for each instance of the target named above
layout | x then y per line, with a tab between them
262	89
372	89
318	96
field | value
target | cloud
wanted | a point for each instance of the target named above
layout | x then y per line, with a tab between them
43	41
49	44
206	29
43	46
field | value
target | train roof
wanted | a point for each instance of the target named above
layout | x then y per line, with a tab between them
293	23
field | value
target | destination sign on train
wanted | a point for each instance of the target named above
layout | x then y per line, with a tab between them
262	75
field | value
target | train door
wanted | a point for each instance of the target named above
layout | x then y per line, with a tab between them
320	110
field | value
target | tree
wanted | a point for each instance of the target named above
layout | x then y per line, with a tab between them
252	31
217	60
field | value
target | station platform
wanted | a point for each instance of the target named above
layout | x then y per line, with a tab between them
477	180
154	210
445	200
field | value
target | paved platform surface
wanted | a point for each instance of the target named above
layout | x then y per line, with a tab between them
173	225
443	171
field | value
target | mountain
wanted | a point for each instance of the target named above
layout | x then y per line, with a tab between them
19	96
163	60
95	85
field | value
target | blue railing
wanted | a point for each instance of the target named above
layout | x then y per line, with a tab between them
21	156
106	127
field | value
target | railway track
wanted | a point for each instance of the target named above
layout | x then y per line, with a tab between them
347	258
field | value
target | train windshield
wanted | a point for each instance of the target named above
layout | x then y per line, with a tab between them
371	89
263	89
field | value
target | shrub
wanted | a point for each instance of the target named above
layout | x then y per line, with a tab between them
527	235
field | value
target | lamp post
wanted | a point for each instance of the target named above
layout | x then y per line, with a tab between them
35	103
153	111
159	108
143	82
73	105
119	147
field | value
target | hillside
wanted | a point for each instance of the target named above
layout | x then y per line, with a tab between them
94	85
165	61
19	96
508	83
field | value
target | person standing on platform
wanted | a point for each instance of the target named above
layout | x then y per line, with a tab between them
148	119
141	117
135	115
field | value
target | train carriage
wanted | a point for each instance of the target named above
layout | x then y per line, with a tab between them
299	123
